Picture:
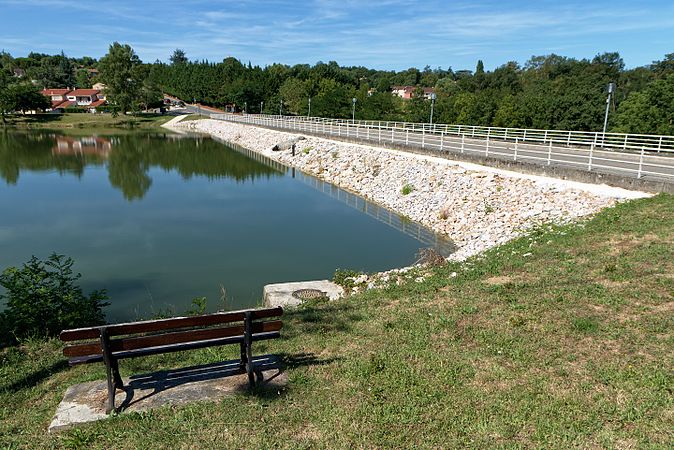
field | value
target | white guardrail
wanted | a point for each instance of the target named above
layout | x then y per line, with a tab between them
639	156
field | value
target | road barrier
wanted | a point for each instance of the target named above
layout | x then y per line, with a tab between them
647	157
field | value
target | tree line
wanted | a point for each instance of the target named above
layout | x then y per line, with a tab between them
549	92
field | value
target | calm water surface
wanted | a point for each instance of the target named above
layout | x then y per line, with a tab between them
158	220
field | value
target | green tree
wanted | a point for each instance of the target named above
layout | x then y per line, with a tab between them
650	111
178	57
21	97
43	299
120	70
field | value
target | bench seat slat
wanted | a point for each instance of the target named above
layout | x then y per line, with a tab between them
168	324
136	343
174	348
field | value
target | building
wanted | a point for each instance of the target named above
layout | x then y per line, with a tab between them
407	92
74	98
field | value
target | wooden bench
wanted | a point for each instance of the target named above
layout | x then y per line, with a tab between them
151	337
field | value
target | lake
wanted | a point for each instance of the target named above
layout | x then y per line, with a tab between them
158	219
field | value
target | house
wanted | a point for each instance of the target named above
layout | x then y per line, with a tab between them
74	98
57	96
100	87
407	92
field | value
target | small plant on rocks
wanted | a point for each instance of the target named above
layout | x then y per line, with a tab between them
407	189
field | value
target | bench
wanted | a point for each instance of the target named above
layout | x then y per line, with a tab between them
134	339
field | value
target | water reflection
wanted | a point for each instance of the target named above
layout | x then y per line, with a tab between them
128	158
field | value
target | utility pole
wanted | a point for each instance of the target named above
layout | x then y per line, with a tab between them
611	91
432	104
353	110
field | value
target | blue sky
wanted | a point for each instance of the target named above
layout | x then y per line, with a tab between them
384	34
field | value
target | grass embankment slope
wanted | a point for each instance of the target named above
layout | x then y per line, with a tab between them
86	121
560	339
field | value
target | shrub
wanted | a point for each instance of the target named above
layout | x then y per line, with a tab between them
407	189
43	299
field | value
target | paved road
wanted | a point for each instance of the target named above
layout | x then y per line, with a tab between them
646	166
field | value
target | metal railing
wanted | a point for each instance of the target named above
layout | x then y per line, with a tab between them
639	156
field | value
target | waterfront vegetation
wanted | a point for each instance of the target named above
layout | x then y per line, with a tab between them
561	338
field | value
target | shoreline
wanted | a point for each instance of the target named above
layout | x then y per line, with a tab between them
477	207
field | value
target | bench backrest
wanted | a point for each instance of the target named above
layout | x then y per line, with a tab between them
156	334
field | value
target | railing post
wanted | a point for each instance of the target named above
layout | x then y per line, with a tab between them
516	149
442	139
625	142
423	137
463	142
545	136
379	138
589	165
549	152
486	152
407	136
659	144
641	162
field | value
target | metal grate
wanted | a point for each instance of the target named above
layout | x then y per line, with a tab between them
308	294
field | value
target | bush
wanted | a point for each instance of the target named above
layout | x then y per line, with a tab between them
43	299
407	189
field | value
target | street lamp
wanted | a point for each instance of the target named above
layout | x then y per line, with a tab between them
309	113
353	110
611	91
280	108
433	96
261	107
245	107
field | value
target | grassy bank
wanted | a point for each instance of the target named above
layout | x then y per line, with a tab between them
559	339
86	121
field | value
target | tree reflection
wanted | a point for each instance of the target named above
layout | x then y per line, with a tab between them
128	158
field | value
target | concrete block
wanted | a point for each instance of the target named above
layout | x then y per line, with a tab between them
281	294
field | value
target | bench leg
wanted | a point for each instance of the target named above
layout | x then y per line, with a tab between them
112	371
247	342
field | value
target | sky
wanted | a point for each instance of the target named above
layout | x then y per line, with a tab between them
381	34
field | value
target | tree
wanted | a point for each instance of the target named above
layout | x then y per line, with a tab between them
43	299
650	111
120	70
21	97
83	79
178	57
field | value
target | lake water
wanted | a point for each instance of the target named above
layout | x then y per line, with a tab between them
158	219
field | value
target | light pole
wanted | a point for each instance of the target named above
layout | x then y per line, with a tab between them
245	107
309	113
611	90
432	104
353	110
280	108
261	107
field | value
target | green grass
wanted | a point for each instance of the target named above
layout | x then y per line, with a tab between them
559	339
85	121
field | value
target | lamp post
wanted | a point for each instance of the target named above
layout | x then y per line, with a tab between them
433	96
245	107
280	108
309	113
261	107
611	90
353	110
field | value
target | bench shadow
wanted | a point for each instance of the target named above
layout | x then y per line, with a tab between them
268	369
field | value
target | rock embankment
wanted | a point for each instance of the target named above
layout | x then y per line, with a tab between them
475	206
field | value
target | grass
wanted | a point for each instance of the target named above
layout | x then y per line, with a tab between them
407	189
562	338
87	121
195	117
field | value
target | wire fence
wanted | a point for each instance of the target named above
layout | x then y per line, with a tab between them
648	157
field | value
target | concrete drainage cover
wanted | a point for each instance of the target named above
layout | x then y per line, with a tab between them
307	294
